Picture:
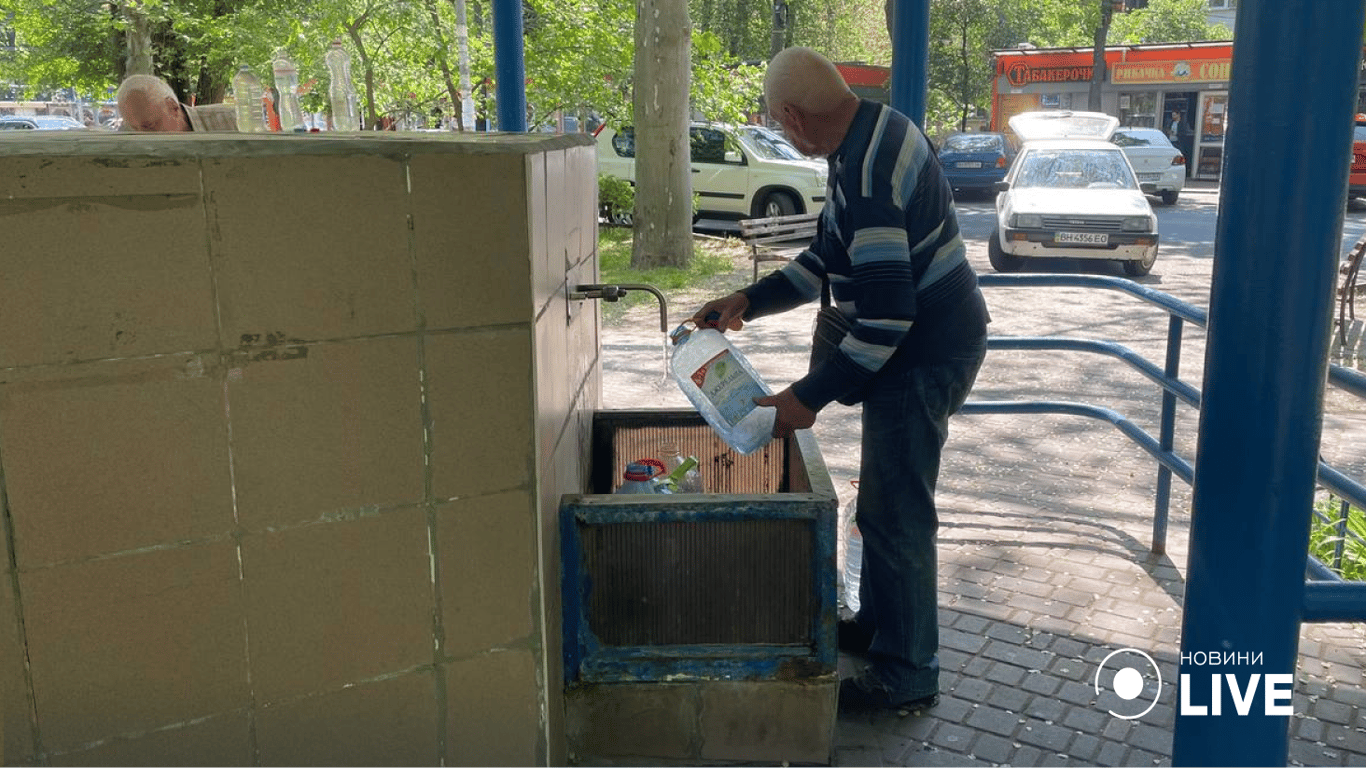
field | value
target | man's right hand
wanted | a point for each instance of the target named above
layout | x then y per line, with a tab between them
723	314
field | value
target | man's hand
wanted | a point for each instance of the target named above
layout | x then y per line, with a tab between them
792	413
729	311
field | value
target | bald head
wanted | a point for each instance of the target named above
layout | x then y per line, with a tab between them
803	78
147	103
809	98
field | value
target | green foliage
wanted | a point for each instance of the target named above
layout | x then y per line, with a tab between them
1166	21
616	199
614	266
1324	538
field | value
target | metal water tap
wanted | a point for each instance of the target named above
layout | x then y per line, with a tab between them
615	292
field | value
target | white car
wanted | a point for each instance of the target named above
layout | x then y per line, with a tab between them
1161	167
738	171
1071	193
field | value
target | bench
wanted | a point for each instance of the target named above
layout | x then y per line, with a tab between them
1350	284
766	236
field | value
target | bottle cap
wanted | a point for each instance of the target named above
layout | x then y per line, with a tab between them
637	471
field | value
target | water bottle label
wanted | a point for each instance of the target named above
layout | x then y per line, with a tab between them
728	386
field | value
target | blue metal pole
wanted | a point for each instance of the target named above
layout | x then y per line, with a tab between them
509	65
910	57
1270	321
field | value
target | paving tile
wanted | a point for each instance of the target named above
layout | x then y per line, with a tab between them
1006	674
998	721
993	749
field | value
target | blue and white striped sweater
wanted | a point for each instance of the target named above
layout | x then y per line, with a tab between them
888	242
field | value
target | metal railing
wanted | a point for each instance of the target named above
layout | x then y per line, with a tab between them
1327	596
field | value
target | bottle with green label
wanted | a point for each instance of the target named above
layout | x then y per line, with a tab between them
721	384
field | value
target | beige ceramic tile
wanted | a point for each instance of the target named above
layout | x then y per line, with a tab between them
481	403
16	746
547	277
488	569
472	235
106	457
135	643
554	364
221	740
101	277
339	427
335	603
311	247
491	712
98	177
390	722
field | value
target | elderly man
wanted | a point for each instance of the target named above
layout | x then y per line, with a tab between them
888	250
147	103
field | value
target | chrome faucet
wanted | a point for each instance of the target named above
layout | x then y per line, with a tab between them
615	292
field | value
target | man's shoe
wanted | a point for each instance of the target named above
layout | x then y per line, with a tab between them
864	693
853	638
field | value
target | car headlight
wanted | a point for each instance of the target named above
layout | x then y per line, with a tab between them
1136	224
1026	221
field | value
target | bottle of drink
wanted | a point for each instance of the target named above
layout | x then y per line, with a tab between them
682	475
246	90
341	92
721	384
637	479
287	83
268	111
853	566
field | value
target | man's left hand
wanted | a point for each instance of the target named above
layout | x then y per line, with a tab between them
792	413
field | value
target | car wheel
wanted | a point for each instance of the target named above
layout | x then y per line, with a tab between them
1169	198
1000	260
777	204
1140	267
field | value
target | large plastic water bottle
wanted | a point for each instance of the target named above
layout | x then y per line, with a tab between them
637	479
341	91
246	90
287	83
853	566
721	384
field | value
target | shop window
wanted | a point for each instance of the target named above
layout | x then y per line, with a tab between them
1138	110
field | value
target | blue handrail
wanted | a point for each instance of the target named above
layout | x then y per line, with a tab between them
1327	596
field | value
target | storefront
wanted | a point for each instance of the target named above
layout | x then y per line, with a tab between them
1181	88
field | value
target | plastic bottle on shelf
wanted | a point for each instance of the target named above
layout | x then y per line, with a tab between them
721	384
341	91
246	91
637	479
268	111
287	83
682	475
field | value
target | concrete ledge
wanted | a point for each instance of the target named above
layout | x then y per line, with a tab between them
702	722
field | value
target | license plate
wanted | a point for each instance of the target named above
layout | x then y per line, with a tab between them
1149	177
969	164
1082	238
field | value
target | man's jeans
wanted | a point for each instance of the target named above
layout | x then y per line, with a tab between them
905	424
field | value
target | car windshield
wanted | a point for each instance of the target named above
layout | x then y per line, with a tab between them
1140	137
972	142
771	146
1075	169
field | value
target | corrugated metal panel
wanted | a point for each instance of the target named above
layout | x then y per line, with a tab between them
722	469
707	582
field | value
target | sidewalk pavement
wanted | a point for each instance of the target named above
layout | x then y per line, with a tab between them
1045	561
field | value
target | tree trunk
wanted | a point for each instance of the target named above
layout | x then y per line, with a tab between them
663	213
1098	58
462	39
139	41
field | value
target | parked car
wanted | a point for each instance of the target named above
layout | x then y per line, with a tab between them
739	171
1160	166
1356	186
974	162
1071	193
40	123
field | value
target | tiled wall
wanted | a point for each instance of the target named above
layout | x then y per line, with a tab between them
282	439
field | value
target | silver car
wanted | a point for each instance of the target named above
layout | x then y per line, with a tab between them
1161	167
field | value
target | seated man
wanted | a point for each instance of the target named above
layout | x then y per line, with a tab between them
147	103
